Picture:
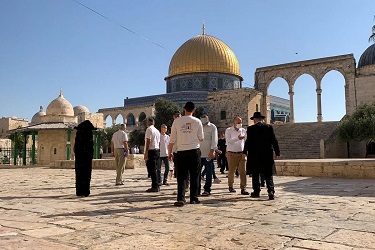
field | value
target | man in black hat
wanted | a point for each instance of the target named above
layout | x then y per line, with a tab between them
259	146
187	133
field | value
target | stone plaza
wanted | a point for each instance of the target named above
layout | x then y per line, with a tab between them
39	210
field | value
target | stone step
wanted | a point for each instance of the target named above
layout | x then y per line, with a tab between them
302	140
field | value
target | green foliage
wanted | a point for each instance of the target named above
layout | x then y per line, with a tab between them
19	138
359	126
164	111
137	137
106	136
372	37
199	111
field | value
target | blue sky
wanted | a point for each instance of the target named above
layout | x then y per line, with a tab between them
45	45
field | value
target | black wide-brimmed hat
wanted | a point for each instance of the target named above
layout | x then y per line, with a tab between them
257	115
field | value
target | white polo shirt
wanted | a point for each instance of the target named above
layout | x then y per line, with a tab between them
233	143
164	141
187	131
154	135
210	139
118	138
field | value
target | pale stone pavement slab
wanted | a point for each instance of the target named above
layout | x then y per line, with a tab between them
39	210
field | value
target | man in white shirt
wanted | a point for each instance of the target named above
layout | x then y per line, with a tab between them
164	141
187	133
235	137
119	147
152	153
208	147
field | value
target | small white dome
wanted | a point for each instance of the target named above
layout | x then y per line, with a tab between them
60	106
37	117
80	109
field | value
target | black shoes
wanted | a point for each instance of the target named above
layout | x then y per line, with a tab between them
232	190
271	196
254	195
262	184
244	192
179	203
195	202
165	183
153	190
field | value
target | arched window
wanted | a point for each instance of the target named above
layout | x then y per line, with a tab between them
130	120
142	116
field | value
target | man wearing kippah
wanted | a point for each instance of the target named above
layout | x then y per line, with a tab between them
187	133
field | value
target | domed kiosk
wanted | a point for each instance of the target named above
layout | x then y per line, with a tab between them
55	131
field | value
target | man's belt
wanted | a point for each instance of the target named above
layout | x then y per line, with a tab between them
235	152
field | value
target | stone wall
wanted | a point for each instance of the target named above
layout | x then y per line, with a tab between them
133	161
48	141
365	84
237	102
363	168
9	123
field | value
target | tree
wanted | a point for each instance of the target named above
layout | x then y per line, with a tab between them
164	111
199	111
360	126
372	37
106	136
137	137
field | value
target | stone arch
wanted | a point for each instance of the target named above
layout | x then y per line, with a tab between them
317	68
333	95
119	120
141	117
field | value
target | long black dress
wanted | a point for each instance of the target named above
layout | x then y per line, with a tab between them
84	153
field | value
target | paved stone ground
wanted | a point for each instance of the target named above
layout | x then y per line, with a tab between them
38	210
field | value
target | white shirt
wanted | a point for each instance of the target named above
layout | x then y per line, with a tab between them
118	138
187	131
233	143
210	139
154	135
164	141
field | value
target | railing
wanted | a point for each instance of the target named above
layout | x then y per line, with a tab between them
7	156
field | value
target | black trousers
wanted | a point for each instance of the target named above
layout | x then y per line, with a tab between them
152	165
269	182
188	161
222	162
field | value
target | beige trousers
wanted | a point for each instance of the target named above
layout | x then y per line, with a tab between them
234	161
120	161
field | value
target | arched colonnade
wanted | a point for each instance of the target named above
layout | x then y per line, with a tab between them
317	68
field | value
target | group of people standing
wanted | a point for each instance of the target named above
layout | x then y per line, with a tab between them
194	143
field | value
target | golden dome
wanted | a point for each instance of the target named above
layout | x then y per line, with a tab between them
204	53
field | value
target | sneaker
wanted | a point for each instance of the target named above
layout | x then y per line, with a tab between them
232	190
119	183
217	181
262	184
254	195
244	192
205	193
165	183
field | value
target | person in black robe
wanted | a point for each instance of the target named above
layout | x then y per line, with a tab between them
260	145
84	153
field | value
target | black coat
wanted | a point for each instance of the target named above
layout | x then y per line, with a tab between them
259	146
